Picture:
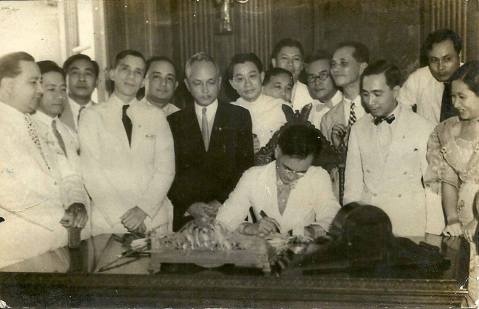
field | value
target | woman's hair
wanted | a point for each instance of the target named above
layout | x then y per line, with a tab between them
469	74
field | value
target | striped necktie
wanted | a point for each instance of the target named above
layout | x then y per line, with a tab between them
59	137
352	115
36	140
205	132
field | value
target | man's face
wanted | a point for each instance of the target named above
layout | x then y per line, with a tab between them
128	76
379	99
25	88
443	60
54	94
289	58
320	83
247	80
291	168
279	86
345	69
465	101
81	79
161	82
203	82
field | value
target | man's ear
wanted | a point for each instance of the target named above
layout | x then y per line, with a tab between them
187	85
6	84
396	92
176	84
111	74
273	62
219	81
261	76
362	67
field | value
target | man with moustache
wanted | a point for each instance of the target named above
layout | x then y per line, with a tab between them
161	83
348	63
387	153
321	86
34	192
127	156
82	77
213	144
428	88
288	54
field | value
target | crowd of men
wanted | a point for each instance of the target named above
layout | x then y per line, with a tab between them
139	165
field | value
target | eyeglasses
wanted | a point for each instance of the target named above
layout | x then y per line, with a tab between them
322	76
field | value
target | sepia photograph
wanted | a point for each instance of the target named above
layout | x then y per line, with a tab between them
239	153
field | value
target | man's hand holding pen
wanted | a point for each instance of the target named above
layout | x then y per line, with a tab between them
265	226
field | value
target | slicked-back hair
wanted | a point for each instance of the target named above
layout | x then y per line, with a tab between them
275	72
469	74
442	35
242	58
153	59
287	42
300	141
47	66
391	72
361	51
10	64
320	54
199	57
128	52
73	58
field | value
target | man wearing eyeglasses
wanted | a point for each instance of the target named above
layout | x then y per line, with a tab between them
288	195
321	86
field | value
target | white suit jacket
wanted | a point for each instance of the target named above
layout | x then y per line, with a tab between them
119	177
267	116
393	185
310	201
33	197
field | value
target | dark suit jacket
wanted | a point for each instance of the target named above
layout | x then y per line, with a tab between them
208	175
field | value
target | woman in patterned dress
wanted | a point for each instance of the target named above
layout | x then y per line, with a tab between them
453	156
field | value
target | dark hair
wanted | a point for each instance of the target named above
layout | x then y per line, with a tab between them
10	63
300	140
469	74
128	52
73	58
391	72
275	72
150	61
287	42
442	35
242	58
47	66
320	54
361	51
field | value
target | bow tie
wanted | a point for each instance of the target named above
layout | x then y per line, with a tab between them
389	119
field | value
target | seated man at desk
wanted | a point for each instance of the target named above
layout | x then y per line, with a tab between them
288	194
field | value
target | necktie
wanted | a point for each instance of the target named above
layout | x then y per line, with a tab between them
79	113
34	136
389	119
127	123
352	115
447	109
205	132
58	136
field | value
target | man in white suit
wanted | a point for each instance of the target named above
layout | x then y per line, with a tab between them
127	155
35	191
387	153
288	194
82	77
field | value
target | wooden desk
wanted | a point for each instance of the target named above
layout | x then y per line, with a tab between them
76	283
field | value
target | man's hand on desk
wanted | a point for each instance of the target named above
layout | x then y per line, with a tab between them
264	226
75	216
339	136
133	220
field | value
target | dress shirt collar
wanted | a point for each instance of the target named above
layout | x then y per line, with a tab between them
357	100
396	112
117	101
44	118
210	111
